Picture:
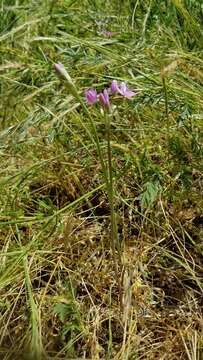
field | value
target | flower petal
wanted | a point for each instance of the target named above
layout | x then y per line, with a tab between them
123	88
91	96
129	93
114	87
125	91
104	99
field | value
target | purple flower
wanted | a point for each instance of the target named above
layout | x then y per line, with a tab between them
114	87
104	98
121	89
125	91
91	96
107	33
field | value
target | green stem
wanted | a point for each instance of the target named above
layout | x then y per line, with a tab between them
166	106
97	142
166	102
110	190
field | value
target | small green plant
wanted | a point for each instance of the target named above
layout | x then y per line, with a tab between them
68	313
150	194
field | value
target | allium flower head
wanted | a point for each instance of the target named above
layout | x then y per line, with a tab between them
104	98
107	33
91	96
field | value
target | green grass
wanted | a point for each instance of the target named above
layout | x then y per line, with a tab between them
101	216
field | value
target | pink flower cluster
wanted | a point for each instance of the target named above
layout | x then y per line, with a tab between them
92	97
107	33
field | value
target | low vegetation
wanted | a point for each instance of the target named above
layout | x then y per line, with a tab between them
101	217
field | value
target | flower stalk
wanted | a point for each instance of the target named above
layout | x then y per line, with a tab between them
113	222
92	97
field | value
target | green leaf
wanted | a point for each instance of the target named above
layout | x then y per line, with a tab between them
63	310
150	194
